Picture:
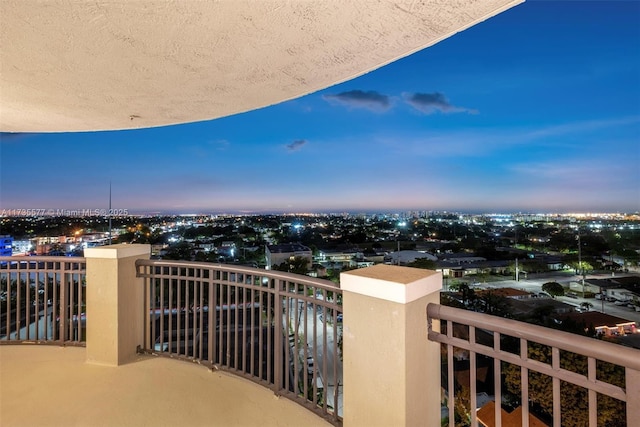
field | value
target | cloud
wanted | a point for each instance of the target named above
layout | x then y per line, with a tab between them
220	144
430	103
296	145
588	126
370	100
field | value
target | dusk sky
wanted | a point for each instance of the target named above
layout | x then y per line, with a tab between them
534	110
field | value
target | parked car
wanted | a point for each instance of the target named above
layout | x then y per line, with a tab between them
611	299
621	302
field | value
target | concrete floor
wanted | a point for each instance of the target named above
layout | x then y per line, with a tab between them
53	386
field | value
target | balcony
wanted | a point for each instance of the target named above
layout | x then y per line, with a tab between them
54	386
266	348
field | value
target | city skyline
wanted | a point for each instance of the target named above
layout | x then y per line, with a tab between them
536	109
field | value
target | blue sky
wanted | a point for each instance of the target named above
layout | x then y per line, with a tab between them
537	109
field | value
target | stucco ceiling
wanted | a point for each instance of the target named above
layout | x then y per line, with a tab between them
94	65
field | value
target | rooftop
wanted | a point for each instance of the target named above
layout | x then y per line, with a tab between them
599	319
288	247
486	416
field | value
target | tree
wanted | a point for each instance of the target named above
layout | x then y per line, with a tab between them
495	304
298	265
581	267
553	288
179	251
469	296
423	263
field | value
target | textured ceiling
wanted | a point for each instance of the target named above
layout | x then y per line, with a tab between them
93	65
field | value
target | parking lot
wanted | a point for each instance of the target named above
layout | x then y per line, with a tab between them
534	285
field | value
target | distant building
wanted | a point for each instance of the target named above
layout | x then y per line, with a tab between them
407	257
6	245
453	265
23	247
340	258
277	254
625	288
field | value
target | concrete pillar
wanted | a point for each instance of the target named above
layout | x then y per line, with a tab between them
115	303
391	371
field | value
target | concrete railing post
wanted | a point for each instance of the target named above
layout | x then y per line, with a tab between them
115	303
391	370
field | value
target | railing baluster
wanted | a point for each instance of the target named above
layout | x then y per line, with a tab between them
18	306
220	315
593	396
450	376
524	380
271	328
212	322
472	377
170	330
179	287
7	307
277	339
55	313
72	310
557	411
164	284
267	324
236	326
497	380
201	319
28	305
81	295
149	309
62	306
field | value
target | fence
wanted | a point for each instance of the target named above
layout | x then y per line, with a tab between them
570	379
42	300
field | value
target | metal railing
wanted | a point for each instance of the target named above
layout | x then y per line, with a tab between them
563	378
278	329
42	300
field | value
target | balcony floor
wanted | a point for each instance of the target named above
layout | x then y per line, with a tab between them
53	386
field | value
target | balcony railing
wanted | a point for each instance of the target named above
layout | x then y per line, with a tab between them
575	378
284	331
42	299
278	329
